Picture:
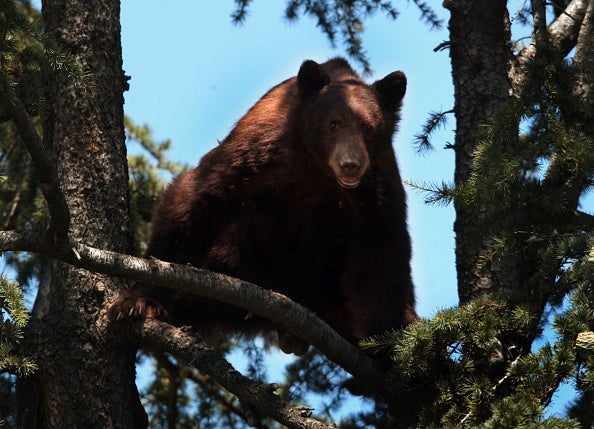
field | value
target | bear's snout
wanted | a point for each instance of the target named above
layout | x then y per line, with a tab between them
349	161
350	167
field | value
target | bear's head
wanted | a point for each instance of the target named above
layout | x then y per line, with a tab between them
345	121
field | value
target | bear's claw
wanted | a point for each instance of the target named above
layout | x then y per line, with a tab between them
135	305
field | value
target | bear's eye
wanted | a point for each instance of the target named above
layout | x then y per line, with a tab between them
333	125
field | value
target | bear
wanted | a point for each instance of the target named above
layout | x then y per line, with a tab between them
304	197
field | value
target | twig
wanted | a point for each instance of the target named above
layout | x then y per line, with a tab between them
506	376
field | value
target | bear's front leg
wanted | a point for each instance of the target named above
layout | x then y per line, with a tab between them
377	285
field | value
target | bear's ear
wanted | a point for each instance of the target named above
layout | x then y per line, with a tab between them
311	77
392	87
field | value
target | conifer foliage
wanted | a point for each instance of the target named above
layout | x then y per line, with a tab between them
524	146
522	174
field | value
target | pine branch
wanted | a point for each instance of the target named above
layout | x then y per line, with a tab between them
13	303
253	395
569	170
60	215
428	15
437	194
240	13
435	122
267	303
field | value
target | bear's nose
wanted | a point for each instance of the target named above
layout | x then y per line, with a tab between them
350	167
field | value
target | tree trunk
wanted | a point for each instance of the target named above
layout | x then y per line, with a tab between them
482	87
84	379
487	77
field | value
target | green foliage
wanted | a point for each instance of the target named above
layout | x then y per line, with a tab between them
455	372
28	57
13	318
21	202
533	163
180	396
529	174
22	57
314	375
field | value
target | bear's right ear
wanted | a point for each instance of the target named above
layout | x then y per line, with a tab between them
311	77
392	87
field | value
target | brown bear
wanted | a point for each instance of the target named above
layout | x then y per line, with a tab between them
304	197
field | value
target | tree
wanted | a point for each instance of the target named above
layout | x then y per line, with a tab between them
523	147
83	126
523	133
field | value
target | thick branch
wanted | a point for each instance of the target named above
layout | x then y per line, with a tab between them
60	215
252	395
584	56
267	303
563	32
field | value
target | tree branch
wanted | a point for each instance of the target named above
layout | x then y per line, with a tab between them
208	385
255	299
252	395
563	32
540	35
583	57
49	183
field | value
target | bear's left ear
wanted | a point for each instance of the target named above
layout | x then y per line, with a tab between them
391	88
311	77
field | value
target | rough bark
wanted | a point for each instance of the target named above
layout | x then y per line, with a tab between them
584	57
82	380
481	58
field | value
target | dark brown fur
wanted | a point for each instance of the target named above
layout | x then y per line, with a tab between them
304	197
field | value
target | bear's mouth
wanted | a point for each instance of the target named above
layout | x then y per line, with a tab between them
349	182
